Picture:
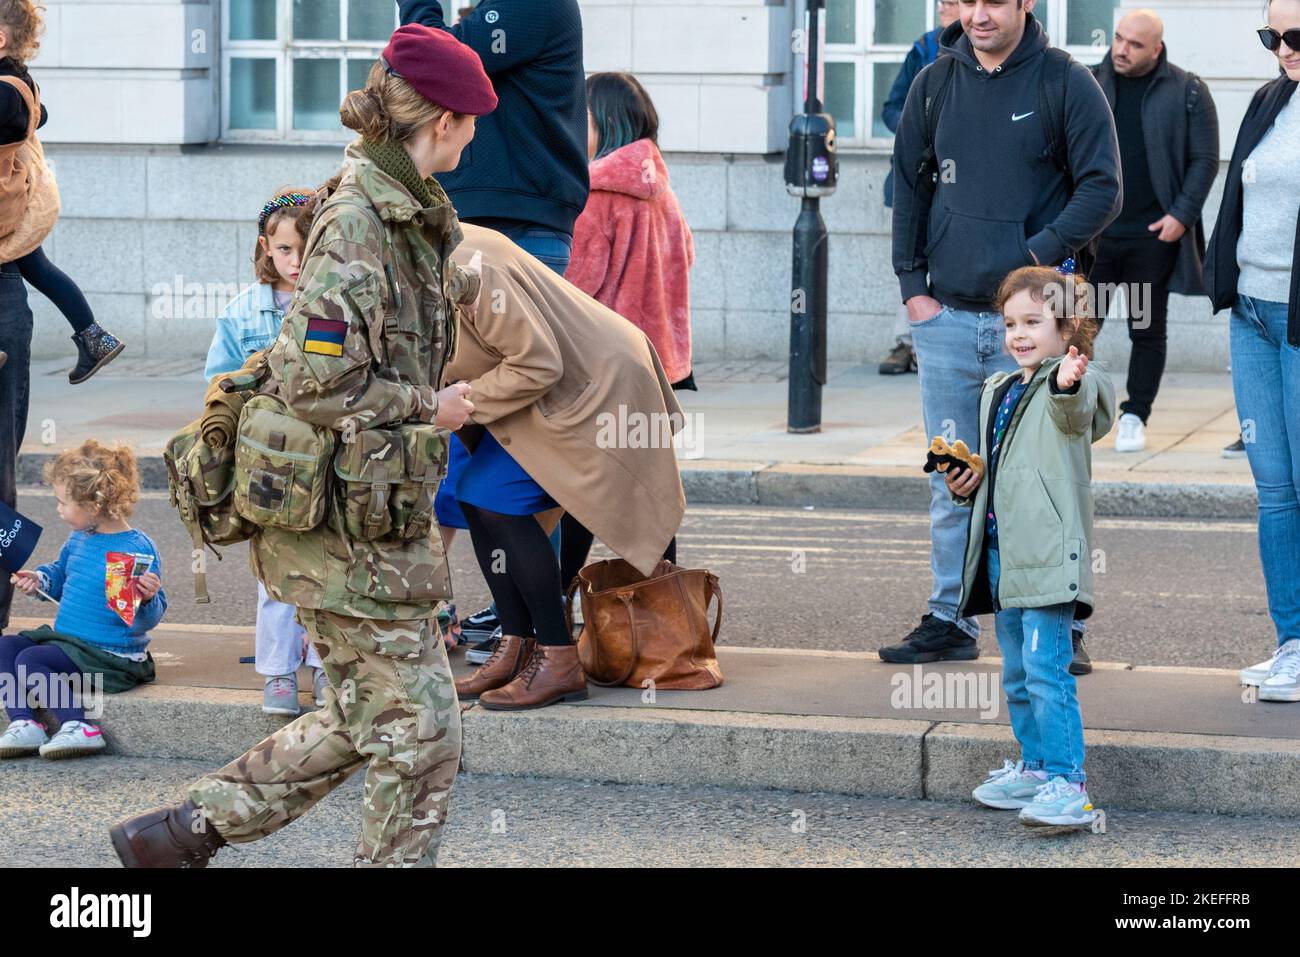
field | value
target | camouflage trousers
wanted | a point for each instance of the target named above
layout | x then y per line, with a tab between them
391	708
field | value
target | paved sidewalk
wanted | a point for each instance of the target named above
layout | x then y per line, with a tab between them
1183	739
868	419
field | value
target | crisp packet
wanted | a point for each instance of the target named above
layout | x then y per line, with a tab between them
121	573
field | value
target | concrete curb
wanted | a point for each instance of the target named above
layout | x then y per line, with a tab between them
792	485
914	759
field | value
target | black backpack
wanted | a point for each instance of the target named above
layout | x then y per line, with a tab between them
1051	114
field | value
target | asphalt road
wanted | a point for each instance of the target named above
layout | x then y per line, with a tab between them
1171	592
57	813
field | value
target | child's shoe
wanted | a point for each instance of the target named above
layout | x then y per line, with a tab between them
1009	788
1057	804
280	695
319	685
95	349
23	736
1283	681
75	739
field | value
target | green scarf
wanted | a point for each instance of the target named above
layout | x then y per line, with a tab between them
393	159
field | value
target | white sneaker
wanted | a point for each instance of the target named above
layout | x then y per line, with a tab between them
1132	435
74	740
1255	674
23	736
319	685
1283	681
280	695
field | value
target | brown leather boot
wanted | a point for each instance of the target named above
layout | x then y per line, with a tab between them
552	674
166	837
498	671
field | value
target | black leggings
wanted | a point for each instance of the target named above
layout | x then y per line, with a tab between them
575	544
516	558
56	286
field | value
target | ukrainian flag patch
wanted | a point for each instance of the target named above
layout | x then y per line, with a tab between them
325	337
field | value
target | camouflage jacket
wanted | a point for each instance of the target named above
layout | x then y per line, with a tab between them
363	346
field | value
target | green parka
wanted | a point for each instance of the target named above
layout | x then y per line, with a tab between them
1042	494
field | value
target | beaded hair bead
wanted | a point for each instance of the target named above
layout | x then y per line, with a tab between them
280	202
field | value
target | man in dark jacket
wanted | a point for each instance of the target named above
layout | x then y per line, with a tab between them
902	358
1002	199
1169	150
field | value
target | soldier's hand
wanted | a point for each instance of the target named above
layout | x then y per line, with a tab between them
454	406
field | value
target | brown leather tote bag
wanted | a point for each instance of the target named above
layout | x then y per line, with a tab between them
656	629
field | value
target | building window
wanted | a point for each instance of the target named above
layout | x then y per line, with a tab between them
867	41
287	64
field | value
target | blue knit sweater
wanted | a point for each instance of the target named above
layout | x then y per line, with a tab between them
76	581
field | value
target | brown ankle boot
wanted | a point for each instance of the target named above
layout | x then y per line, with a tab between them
552	674
498	671
176	836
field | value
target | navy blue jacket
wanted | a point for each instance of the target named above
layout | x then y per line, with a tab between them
528	159
1001	194
921	55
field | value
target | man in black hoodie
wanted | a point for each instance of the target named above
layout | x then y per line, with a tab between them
1002	199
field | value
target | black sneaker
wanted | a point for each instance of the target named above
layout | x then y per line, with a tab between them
480	653
901	361
480	626
934	639
1237	450
1080	664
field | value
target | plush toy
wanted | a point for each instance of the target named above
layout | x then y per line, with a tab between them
941	457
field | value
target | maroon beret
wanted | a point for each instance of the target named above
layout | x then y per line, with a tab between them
440	68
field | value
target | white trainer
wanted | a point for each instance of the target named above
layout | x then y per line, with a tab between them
23	736
74	740
1283	681
1132	435
1255	674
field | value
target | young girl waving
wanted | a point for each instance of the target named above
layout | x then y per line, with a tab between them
96	488
1029	551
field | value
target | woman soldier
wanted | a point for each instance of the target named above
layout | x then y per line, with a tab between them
357	363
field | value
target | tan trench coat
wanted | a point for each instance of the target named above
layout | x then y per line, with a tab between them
577	396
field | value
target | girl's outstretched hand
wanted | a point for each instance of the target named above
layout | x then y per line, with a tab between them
1071	369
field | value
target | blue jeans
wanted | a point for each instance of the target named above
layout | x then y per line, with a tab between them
956	351
16	340
1041	698
1266	386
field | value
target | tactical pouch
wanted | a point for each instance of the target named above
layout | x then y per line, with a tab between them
425	450
201	484
368	466
282	467
399	571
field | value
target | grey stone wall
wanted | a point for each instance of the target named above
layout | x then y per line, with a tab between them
136	218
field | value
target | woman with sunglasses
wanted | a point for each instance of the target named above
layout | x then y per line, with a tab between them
1252	267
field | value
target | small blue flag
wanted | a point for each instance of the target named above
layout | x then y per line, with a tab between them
18	538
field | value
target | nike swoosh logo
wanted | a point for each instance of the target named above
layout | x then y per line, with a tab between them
1020	116
91	734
